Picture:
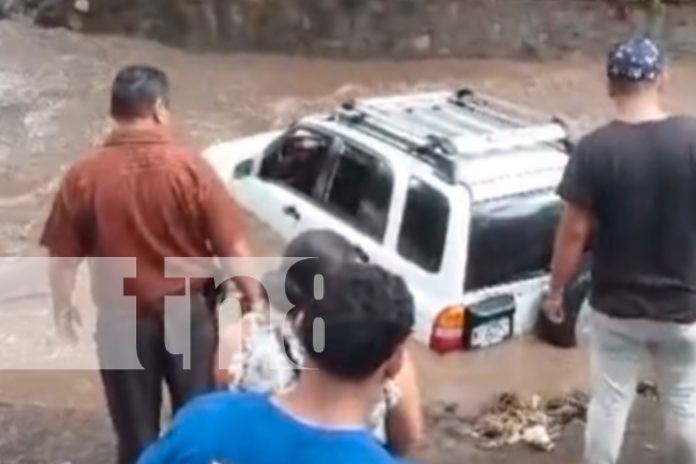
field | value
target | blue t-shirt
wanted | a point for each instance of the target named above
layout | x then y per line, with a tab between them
248	428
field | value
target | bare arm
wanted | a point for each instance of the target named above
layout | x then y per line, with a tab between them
405	421
571	238
248	286
63	236
62	273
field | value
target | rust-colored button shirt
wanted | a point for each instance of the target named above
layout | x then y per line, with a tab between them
142	195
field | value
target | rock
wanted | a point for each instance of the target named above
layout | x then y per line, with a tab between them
6	7
74	21
51	13
9	8
538	438
513	439
532	49
536	402
82	6
359	28
421	44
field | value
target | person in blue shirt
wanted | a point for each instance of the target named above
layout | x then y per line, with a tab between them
366	314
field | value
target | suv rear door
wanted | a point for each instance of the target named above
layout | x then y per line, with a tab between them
510	247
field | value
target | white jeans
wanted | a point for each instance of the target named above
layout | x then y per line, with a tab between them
618	349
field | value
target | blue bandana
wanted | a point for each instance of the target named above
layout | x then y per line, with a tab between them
637	59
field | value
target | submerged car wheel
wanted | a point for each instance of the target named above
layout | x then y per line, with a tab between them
564	335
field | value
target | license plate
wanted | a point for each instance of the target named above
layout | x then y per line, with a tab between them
490	333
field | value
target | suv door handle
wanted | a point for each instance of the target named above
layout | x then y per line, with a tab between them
362	255
292	212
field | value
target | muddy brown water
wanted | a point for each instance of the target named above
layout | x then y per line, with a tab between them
53	100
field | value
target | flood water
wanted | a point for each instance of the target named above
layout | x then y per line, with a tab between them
53	100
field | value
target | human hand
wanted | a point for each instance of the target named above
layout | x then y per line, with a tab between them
552	305
68	321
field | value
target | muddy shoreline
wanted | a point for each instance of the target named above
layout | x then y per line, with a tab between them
34	434
376	28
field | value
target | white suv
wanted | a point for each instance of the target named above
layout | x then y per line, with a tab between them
452	191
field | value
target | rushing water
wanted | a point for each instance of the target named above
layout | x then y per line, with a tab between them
53	101
54	91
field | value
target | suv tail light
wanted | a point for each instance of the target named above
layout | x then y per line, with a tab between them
448	329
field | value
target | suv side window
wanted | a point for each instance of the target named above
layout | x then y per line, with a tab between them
424	226
511	238
297	160
360	191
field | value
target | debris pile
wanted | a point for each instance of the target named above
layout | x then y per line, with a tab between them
509	420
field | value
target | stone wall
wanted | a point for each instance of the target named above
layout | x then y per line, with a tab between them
363	28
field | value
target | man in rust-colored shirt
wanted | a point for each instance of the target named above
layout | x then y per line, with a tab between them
143	196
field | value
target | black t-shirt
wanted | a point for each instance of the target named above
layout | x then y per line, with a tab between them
639	182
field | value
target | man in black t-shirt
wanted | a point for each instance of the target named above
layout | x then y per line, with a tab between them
634	180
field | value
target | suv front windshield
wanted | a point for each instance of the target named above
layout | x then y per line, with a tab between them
511	238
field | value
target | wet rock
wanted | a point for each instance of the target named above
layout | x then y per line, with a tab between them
421	44
52	13
532	48
538	437
10	8
5	8
82	6
568	408
74	21
361	27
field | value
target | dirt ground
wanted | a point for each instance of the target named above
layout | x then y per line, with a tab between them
83	437
69	425
53	101
48	433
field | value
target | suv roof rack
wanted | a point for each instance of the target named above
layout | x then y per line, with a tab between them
441	128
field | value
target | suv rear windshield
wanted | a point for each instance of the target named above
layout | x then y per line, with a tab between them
511	238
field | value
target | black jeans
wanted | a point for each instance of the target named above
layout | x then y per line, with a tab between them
134	396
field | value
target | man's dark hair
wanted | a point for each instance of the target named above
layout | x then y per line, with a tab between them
136	90
367	314
325	250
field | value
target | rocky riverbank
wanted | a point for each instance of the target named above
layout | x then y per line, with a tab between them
372	28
